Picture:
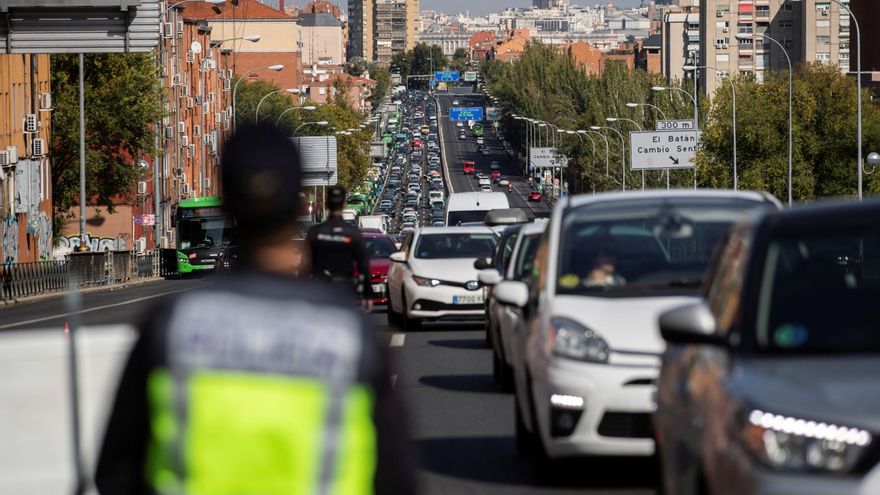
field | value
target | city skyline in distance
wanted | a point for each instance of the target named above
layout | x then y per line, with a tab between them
484	7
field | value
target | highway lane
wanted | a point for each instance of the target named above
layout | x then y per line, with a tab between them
463	425
457	151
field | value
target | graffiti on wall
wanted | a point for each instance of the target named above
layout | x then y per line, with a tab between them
9	244
40	226
95	244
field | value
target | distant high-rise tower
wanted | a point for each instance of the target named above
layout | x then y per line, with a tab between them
379	29
550	4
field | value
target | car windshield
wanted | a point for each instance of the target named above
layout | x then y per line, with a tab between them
639	246
447	246
380	247
461	217
818	292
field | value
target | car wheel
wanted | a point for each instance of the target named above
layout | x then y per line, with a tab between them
409	324
524	441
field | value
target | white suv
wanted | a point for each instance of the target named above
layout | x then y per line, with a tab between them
609	264
433	275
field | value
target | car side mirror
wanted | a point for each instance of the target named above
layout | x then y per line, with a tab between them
693	324
398	257
489	276
512	293
482	264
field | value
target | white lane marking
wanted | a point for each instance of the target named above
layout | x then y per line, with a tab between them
90	310
398	339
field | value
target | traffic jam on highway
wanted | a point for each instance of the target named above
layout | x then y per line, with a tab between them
714	331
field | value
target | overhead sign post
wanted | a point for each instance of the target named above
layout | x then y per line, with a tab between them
470	76
675	125
447	76
653	150
466	113
547	158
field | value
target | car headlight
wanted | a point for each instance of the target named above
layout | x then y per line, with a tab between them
425	282
794	444
572	340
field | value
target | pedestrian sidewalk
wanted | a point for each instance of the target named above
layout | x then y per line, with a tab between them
87	290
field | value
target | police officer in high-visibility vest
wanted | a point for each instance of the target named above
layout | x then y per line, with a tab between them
260	383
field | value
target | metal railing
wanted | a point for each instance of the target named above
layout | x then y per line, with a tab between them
78	270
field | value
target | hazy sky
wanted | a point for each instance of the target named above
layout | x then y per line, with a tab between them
482	7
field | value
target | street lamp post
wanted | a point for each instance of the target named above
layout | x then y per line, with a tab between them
653	107
787	59
319	123
309	108
580	137
622	154
292	91
607	146
733	99
639	127
693	98
276	68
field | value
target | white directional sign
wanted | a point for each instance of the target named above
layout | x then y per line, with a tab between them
675	125
661	150
548	158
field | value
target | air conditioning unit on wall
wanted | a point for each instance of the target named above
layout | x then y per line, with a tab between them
142	187
38	147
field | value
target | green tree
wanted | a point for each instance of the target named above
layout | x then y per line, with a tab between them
383	82
421	60
460	60
249	95
824	129
122	105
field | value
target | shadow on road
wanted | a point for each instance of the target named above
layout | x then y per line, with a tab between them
494	460
481	384
461	343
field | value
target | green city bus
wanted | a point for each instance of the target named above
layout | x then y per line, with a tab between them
204	232
478	130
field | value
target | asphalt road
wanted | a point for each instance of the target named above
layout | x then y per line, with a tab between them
462	424
456	151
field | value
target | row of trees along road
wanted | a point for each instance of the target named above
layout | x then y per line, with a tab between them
545	85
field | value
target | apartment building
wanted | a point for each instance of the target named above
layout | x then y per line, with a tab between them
26	190
733	36
550	4
680	43
360	29
322	39
379	29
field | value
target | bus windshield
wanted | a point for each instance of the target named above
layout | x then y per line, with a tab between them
205	232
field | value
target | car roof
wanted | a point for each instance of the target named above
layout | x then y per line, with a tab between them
580	200
533	228
822	214
455	230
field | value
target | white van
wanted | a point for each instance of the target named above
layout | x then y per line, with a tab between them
471	207
378	222
435	197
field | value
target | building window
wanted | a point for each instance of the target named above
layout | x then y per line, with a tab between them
722	43
762	60
762	11
745	29
722	25
844	56
785	24
823	23
823	40
823	56
787	6
722	57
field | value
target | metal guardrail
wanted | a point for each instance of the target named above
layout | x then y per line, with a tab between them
79	270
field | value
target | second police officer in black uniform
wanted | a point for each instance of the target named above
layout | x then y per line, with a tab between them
337	248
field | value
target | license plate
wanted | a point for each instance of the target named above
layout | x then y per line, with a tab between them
469	299
379	288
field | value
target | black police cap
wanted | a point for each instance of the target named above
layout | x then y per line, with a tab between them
262	179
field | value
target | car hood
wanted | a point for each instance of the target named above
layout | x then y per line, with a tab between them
843	389
627	324
452	270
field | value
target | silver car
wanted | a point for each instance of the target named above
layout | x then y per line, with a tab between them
770	385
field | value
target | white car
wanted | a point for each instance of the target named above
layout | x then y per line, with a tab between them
513	261
433	277
459	124
455	102
484	181
610	265
486	188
